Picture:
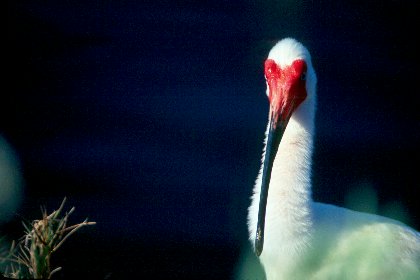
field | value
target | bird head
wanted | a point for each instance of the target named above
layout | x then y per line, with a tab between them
291	83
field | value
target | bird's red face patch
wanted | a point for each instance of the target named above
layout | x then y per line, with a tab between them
286	88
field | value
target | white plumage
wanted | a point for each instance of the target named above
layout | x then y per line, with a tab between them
304	239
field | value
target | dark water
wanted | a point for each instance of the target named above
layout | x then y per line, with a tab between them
150	118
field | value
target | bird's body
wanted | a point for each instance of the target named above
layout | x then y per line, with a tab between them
304	239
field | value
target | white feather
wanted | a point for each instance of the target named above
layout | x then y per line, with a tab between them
309	240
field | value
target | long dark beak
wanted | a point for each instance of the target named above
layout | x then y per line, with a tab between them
275	134
286	91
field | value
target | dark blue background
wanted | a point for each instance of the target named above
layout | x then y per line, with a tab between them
150	118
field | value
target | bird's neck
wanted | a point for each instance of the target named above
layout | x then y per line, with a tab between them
288	222
288	213
290	184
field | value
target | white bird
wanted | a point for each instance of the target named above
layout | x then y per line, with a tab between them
304	239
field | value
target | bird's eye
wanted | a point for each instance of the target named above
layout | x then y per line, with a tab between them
270	68
303	76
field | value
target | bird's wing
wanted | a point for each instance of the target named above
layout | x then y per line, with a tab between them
355	245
